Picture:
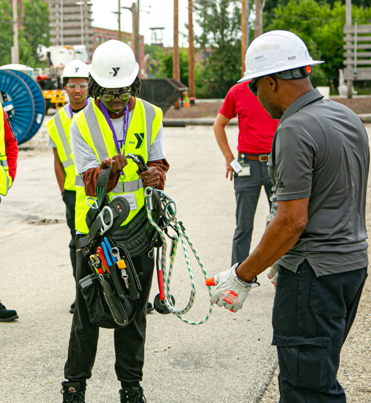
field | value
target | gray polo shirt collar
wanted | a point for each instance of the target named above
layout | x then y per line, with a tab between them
306	99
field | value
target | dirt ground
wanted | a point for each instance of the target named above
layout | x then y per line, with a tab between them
211	109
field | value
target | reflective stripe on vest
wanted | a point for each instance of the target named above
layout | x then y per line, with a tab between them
5	179
144	125
59	131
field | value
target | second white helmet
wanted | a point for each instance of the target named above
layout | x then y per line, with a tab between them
76	69
114	65
276	51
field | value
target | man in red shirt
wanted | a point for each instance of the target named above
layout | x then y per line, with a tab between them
11	152
256	131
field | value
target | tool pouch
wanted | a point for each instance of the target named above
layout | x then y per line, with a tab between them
104	306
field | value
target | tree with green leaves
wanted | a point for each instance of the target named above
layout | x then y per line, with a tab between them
220	23
36	27
320	26
161	64
6	32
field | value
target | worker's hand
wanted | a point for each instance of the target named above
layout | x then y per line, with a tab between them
230	291
272	273
151	177
118	163
230	170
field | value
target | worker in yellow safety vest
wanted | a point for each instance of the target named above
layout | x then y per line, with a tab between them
8	168
75	83
114	124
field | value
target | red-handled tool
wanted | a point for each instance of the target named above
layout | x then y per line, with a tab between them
102	258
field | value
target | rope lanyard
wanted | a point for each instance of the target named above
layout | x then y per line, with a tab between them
180	231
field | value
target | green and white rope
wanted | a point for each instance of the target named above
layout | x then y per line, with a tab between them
168	275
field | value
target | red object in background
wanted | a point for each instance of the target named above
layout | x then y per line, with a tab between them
43	77
11	147
256	127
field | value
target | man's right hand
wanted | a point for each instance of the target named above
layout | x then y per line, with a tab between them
118	163
230	170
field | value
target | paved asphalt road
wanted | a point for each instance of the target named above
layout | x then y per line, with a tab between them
228	359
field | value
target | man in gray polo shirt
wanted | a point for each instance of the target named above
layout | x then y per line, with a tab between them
319	166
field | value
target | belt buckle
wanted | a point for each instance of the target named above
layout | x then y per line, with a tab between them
263	158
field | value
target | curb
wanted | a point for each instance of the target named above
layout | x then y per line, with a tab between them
194	122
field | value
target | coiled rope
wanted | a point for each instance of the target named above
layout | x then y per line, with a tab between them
166	203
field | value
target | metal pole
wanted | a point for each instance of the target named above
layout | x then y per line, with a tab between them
348	22
119	18
15	53
176	74
191	52
137	35
355	72
243	38
61	22
134	30
247	23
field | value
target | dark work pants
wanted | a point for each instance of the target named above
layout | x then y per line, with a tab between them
311	320
247	192
129	341
69	198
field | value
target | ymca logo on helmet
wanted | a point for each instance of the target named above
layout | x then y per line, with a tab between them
115	71
76	69
118	54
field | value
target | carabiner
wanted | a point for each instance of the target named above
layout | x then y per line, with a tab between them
94	206
105	227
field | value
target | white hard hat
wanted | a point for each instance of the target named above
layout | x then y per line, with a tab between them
276	51
114	65
76	69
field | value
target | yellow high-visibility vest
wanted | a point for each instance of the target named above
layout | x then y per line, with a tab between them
144	125
59	131
5	179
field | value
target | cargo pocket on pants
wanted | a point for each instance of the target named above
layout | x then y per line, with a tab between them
304	362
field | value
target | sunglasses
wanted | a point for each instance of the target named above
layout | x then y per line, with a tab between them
252	85
73	86
110	96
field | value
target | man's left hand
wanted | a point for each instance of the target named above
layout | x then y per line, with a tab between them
151	177
230	291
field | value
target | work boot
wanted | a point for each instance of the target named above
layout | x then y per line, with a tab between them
132	395
72	392
7	315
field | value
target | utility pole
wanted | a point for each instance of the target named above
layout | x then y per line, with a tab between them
134	30
137	44
243	39
259	6
176	74
15	54
191	52
119	18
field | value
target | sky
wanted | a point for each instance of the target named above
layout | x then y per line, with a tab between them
154	13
